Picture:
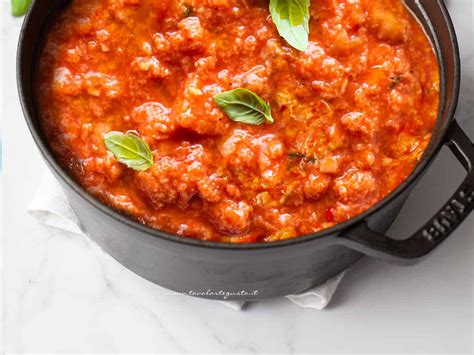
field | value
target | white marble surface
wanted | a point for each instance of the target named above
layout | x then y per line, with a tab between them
62	294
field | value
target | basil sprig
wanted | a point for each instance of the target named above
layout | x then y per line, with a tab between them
291	17
242	105
129	149
20	7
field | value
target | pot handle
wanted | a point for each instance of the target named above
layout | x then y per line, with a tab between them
437	229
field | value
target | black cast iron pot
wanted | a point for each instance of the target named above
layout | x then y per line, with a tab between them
215	270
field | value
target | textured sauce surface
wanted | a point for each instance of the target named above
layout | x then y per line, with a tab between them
353	113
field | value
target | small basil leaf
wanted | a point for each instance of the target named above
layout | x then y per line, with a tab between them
20	7
129	149
291	17
242	105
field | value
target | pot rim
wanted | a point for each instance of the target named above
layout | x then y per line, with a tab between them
433	148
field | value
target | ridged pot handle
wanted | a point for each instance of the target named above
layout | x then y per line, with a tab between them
437	229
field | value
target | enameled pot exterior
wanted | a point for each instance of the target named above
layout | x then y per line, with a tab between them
256	271
215	273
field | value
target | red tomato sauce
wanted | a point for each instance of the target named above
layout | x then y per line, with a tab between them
352	114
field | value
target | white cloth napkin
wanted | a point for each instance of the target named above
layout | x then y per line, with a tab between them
51	208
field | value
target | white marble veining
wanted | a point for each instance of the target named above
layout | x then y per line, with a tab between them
62	294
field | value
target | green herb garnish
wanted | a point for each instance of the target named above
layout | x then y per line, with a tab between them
242	105
188	10
394	82
303	157
129	149
20	7
296	155
291	17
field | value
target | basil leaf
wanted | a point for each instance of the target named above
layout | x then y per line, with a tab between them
242	105
129	149
291	17
20	7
